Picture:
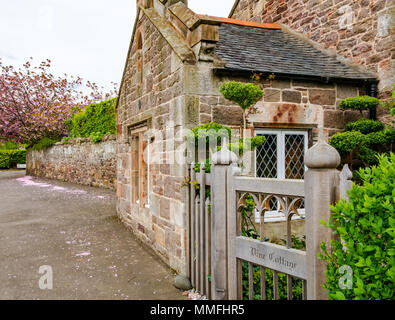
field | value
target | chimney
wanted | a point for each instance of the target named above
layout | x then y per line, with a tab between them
170	2
149	3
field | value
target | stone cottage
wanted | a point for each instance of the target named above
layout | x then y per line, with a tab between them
175	65
362	31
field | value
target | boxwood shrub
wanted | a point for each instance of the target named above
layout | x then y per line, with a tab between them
365	126
366	224
359	103
346	142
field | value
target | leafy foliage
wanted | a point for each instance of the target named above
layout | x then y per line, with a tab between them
244	94
365	126
44	143
95	121
8	145
384	137
211	135
346	142
10	158
365	147
359	103
207	166
246	144
366	224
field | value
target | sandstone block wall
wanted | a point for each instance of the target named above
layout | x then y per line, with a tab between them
157	99
288	103
79	161
362	31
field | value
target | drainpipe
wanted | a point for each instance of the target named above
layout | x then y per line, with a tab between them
372	91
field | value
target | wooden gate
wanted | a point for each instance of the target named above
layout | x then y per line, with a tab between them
220	247
287	196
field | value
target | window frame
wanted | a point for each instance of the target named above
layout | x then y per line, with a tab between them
136	197
281	133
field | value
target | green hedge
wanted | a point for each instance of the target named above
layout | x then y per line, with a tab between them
96	120
10	158
366	224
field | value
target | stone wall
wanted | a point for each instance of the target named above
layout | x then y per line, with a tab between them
362	31
79	161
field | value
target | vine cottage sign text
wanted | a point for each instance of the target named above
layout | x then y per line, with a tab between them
272	256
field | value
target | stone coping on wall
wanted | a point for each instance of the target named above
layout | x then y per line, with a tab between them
107	137
79	160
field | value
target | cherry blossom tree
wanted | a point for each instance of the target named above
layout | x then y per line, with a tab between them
36	104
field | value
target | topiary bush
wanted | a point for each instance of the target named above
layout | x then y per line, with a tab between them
346	142
381	138
244	94
359	103
366	224
365	126
364	147
97	120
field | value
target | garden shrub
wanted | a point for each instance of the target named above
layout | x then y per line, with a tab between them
365	147
207	132
244	94
380	138
96	120
44	143
10	158
366	224
8	145
346	142
359	103
210	131
365	126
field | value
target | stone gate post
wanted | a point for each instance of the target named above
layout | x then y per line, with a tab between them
221	163
321	180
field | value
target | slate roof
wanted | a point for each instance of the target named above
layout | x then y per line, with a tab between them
269	50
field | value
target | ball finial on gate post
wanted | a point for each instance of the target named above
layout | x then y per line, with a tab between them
224	156
323	156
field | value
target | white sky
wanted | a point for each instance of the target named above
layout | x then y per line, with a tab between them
87	38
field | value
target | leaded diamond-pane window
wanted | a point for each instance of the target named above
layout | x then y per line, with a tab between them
266	157
282	155
294	156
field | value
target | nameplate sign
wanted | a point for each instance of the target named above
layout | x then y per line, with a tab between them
272	256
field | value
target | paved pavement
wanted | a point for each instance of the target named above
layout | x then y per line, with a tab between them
75	231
